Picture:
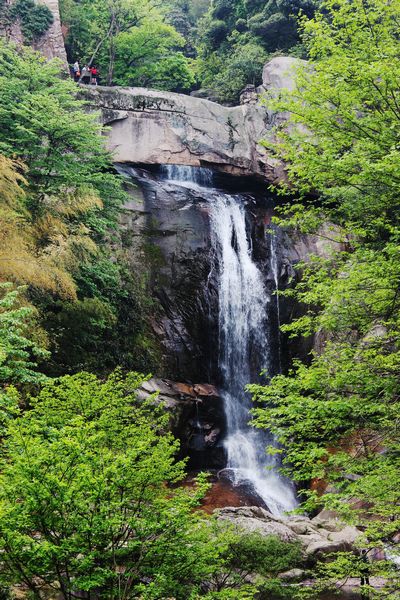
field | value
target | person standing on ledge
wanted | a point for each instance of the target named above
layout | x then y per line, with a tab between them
86	75
77	71
95	75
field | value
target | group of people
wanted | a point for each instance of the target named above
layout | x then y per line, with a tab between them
89	75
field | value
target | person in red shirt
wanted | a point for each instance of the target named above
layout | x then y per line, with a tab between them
95	75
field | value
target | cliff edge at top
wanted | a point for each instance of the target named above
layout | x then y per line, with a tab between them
155	127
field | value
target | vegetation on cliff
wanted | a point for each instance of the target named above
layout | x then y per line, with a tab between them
181	45
60	204
338	415
32	19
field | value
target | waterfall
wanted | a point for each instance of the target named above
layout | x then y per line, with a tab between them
243	351
244	338
183	174
275	274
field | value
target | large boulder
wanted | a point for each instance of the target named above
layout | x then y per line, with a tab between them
280	73
153	127
252	519
316	541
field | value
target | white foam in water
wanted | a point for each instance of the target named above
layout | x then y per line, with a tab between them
243	335
243	340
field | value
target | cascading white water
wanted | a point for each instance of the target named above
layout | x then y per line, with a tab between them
244	349
244	337
183	174
275	273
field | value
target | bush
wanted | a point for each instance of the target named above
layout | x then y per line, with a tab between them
222	10
216	33
244	67
241	25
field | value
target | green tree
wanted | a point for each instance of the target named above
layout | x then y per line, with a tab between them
148	56
85	506
252	558
337	415
243	67
19	351
44	124
59	209
127	40
72	195
235	38
91	503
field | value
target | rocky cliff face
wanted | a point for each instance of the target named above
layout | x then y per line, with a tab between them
167	228
197	419
167	225
51	44
151	127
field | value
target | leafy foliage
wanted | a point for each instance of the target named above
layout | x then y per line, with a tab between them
108	320
147	56
338	415
243	67
219	45
235	39
101	501
59	207
18	348
89	503
129	41
70	195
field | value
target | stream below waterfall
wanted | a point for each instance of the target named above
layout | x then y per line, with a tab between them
244	336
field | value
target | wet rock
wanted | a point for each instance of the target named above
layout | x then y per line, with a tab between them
197	418
205	390
212	437
167	230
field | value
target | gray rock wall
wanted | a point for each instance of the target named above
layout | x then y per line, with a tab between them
51	44
152	127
